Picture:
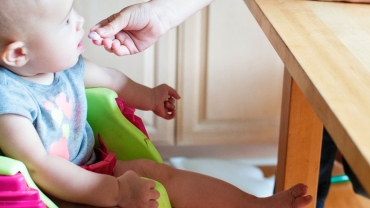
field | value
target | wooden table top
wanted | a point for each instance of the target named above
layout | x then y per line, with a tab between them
326	48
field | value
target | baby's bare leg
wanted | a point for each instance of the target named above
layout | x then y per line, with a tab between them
188	189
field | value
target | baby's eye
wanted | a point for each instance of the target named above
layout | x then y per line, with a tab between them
67	22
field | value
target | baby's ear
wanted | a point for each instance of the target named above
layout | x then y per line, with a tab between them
15	54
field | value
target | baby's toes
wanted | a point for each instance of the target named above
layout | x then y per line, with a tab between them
298	190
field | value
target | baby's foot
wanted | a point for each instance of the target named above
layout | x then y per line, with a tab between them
292	198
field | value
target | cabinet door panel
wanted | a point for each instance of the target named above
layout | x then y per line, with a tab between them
152	67
230	78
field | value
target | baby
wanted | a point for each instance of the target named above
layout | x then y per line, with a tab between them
43	119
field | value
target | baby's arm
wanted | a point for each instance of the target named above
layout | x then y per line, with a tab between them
63	179
160	99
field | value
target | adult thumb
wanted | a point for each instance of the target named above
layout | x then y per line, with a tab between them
113	25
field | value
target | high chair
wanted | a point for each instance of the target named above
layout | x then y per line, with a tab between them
120	135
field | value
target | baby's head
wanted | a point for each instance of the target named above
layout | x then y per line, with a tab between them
39	36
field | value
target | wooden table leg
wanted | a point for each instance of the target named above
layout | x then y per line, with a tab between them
299	142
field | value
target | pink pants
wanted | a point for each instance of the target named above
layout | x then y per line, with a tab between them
105	161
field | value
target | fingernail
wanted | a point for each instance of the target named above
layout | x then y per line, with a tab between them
94	36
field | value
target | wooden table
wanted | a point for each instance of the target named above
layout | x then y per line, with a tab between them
325	47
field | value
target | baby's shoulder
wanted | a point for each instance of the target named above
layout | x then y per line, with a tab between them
7	77
3	76
15	99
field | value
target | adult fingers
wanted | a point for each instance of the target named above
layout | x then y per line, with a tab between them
112	25
119	49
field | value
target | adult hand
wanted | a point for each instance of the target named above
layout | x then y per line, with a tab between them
137	27
132	30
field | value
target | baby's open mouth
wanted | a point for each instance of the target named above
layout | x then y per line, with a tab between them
80	46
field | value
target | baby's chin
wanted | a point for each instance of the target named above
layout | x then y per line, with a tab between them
66	65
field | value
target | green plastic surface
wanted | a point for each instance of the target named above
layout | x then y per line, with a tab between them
118	134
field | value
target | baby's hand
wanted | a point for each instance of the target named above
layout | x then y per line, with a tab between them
165	101
136	192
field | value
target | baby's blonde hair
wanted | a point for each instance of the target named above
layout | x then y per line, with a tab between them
5	24
14	20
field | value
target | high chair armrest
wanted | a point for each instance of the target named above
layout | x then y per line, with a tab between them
118	134
10	167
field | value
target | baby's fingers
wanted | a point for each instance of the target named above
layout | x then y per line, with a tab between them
170	108
170	111
170	104
154	195
153	204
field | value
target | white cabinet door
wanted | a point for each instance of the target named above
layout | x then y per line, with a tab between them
226	71
154	66
230	79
